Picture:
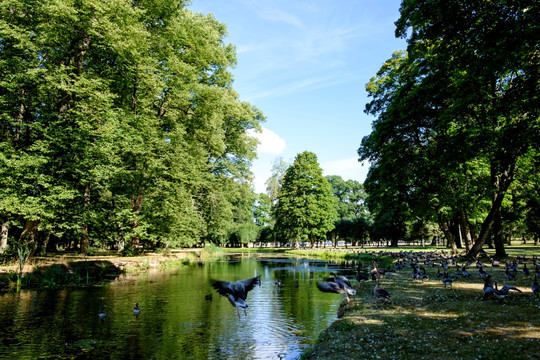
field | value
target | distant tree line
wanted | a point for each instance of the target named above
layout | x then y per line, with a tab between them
119	127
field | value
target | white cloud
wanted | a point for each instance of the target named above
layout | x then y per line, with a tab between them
348	169
270	143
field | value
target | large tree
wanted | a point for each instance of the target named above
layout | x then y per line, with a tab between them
306	207
119	124
458	110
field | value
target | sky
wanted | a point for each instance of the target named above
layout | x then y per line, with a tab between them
305	64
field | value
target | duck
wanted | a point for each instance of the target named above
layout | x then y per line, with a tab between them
535	287
102	313
136	309
236	292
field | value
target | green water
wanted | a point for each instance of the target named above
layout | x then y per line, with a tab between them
176	321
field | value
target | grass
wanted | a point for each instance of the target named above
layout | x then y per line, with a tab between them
426	319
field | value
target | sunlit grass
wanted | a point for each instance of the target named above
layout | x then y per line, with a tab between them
424	319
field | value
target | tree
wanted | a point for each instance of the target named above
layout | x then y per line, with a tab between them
119	125
275	181
456	112
306	208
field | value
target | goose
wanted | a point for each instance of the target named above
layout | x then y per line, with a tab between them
506	289
380	293
447	280
102	313
136	309
525	271
424	276
237	292
334	287
535	287
343	284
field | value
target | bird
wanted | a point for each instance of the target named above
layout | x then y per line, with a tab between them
535	287
489	290
509	275
482	273
343	284
102	313
525	271
333	287
237	292
423	276
208	297
380	293
136	309
506	289
447	280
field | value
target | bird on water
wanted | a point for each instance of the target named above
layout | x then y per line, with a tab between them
236	292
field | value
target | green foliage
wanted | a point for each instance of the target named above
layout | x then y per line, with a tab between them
119	125
456	114
306	208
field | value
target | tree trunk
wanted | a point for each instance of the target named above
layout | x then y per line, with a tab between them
501	186
85	240
136	205
29	232
447	234
498	238
465	234
4	235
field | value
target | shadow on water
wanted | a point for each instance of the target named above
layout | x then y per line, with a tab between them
176	321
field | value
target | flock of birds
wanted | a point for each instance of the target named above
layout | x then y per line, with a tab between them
237	292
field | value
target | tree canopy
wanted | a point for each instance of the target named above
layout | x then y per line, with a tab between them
306	208
119	125
457	115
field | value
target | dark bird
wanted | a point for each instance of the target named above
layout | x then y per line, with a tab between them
102	313
380	293
490	291
482	273
208	297
342	282
237	292
361	277
525	271
447	280
509	275
506	289
334	287
136	309
535	287
423	276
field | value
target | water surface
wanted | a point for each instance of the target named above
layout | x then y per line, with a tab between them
176	321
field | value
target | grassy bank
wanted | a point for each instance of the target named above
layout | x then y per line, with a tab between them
425	319
71	269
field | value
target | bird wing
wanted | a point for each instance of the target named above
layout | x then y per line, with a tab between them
223	287
242	287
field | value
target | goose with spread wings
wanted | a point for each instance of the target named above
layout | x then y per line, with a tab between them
236	292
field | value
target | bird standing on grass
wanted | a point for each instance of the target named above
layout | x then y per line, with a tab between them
237	292
380	293
535	287
136	310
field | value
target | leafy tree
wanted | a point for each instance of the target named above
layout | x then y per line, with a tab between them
275	181
306	208
456	112
119	125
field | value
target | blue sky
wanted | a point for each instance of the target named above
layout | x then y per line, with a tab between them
305	65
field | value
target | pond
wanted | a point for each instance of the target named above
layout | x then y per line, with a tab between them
176	321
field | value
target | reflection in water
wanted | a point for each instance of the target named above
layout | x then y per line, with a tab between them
176	321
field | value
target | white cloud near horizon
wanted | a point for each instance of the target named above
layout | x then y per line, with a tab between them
270	143
348	169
